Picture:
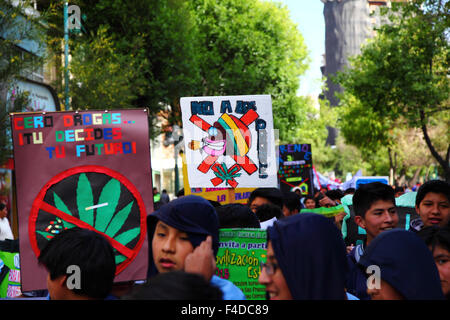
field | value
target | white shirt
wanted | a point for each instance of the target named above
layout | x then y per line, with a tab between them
5	230
267	223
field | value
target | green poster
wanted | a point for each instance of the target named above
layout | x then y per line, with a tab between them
238	259
10	271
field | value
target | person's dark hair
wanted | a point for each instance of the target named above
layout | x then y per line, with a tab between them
176	285
436	236
236	215
335	194
268	211
215	204
435	186
369	193
88	250
317	197
180	193
291	200
274	195
349	191
2	206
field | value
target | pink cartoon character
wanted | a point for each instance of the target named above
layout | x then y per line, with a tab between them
228	136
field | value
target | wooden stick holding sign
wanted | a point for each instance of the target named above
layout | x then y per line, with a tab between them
231	195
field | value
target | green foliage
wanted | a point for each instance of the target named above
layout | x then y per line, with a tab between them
18	104
15	28
400	80
150	53
252	47
135	54
101	80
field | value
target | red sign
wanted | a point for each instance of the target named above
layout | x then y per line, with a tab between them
89	169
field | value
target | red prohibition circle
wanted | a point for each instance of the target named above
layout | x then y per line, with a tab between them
40	204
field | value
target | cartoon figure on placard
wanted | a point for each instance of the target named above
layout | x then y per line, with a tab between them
228	136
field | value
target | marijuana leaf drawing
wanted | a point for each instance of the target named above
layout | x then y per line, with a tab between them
92	197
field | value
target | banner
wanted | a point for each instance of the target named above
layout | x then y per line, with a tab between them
326	212
229	141
295	168
238	259
89	169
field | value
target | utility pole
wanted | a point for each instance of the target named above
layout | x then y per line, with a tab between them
66	55
177	138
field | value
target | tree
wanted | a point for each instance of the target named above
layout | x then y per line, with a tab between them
401	80
188	48
134	54
16	25
253	47
100	79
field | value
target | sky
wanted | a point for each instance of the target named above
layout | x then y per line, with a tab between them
308	16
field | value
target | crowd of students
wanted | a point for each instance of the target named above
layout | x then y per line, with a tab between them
307	258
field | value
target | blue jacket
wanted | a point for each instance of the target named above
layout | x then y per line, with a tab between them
356	280
229	290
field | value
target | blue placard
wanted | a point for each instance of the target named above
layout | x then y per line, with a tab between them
364	180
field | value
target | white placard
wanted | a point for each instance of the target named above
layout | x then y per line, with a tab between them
229	141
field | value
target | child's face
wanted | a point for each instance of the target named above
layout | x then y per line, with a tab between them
310	204
442	258
434	209
274	281
381	216
385	292
170	247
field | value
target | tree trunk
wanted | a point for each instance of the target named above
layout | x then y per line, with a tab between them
402	179
428	173
444	163
391	168
414	178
